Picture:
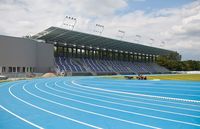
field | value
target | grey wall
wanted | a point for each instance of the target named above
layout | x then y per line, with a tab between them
21	52
17	52
45	57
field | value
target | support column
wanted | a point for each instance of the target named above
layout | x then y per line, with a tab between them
129	56
134	56
85	54
124	56
156	57
146	58
72	54
137	56
57	49
92	51
142	57
113	55
67	51
76	51
107	55
151	58
63	54
118	55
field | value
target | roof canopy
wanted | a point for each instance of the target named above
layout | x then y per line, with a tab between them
60	35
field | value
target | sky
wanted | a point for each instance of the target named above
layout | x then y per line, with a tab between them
168	24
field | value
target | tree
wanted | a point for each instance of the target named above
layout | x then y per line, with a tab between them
172	62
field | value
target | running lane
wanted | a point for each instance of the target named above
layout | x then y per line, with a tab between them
93	102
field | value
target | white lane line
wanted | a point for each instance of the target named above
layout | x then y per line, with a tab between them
157	92
149	99
127	105
82	110
142	87
126	100
146	83
64	117
137	86
164	93
19	117
115	109
136	94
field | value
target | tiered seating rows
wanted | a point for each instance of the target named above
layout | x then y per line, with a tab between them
106	66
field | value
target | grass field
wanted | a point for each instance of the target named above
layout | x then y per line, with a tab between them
187	77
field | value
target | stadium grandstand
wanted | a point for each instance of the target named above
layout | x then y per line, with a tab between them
76	53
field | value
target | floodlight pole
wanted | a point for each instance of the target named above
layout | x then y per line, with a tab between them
152	40
72	19
75	21
138	38
100	30
123	34
162	44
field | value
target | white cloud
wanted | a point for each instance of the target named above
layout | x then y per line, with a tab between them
178	27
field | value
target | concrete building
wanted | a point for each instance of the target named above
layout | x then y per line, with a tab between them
23	55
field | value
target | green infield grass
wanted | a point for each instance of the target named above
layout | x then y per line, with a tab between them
186	77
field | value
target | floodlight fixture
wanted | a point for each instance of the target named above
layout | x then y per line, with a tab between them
122	34
152	41
162	44
138	38
99	28
70	22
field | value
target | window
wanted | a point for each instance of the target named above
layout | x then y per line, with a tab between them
18	69
10	69
3	69
14	69
24	69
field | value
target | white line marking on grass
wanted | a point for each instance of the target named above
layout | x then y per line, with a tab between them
19	117
115	109
82	110
64	117
136	94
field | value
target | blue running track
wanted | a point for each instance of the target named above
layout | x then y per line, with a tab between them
99	103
